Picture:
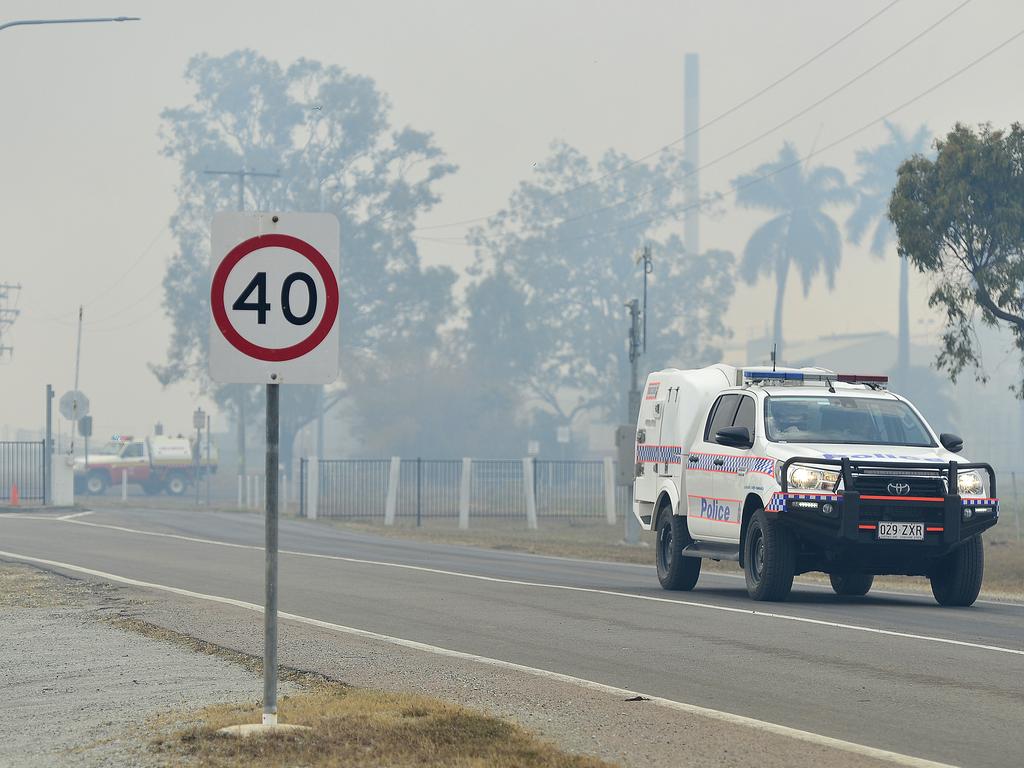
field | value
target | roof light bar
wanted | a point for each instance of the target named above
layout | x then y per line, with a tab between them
799	377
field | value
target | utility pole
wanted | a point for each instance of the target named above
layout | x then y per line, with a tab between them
241	175
632	532
8	314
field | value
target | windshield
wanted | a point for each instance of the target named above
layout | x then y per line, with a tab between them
862	420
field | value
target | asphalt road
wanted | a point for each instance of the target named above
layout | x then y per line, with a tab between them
890	671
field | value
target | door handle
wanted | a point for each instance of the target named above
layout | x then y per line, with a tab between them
718	462
694	459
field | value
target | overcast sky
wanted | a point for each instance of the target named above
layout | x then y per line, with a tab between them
86	194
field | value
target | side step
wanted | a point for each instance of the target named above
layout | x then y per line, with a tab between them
712	550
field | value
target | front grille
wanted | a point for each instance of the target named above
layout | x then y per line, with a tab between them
911	512
920	485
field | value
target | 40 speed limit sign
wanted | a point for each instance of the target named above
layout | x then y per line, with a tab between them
274	298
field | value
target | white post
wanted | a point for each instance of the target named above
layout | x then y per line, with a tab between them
312	487
609	489
467	468
257	485
531	500
391	504
248	491
283	499
241	490
124	485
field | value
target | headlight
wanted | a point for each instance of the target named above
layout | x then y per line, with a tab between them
971	484
808	479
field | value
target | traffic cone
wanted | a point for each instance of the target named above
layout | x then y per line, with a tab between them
14	494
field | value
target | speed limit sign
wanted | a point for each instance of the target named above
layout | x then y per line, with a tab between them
274	298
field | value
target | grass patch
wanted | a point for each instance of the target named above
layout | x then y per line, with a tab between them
356	727
350	726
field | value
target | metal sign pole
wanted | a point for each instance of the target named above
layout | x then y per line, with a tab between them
270	609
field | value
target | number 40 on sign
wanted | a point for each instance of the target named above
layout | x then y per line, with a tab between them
274	298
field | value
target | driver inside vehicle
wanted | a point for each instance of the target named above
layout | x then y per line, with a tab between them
788	421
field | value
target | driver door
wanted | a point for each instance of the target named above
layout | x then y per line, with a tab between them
703	467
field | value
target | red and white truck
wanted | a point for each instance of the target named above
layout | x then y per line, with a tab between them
156	463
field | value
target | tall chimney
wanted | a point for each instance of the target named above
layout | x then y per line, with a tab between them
691	154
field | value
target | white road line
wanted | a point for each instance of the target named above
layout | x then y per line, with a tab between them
75	515
568	588
728	717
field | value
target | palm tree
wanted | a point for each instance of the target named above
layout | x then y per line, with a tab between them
801	234
877	178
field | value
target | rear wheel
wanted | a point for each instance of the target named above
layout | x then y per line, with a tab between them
177	484
956	580
769	558
851	584
675	571
95	483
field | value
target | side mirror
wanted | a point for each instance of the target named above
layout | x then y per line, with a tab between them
952	443
734	437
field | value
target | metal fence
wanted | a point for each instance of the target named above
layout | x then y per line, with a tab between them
430	489
22	466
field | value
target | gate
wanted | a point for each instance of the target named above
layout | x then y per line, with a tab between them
23	464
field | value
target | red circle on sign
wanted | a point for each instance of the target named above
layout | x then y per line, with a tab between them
274	354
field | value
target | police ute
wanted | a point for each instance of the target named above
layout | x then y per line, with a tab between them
793	470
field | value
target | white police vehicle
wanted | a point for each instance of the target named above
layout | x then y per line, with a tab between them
794	470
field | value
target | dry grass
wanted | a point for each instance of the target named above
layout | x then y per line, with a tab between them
355	727
596	540
350	726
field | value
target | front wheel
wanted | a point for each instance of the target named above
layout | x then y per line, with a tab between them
851	584
769	558
675	571
95	483
956	579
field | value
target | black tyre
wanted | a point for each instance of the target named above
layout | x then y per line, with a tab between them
851	584
177	484
956	580
96	483
675	572
769	558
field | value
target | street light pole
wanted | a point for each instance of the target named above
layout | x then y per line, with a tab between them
97	20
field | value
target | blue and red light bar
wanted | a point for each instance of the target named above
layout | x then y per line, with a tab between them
806	377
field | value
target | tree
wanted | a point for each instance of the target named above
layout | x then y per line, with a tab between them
328	132
874	188
554	269
959	218
801	234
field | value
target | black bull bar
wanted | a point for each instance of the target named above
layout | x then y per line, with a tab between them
850	506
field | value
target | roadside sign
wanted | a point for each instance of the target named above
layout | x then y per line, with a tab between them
68	407
274	298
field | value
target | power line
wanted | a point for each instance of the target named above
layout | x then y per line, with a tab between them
780	169
764	134
721	116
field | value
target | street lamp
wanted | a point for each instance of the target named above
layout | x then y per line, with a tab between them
97	20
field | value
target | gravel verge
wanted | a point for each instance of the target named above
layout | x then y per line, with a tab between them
79	691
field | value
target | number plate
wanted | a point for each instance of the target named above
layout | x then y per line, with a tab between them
911	531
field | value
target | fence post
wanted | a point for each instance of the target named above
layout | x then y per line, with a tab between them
391	503
419	489
1016	503
609	490
124	485
531	499
283	499
312	490
467	468
241	483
